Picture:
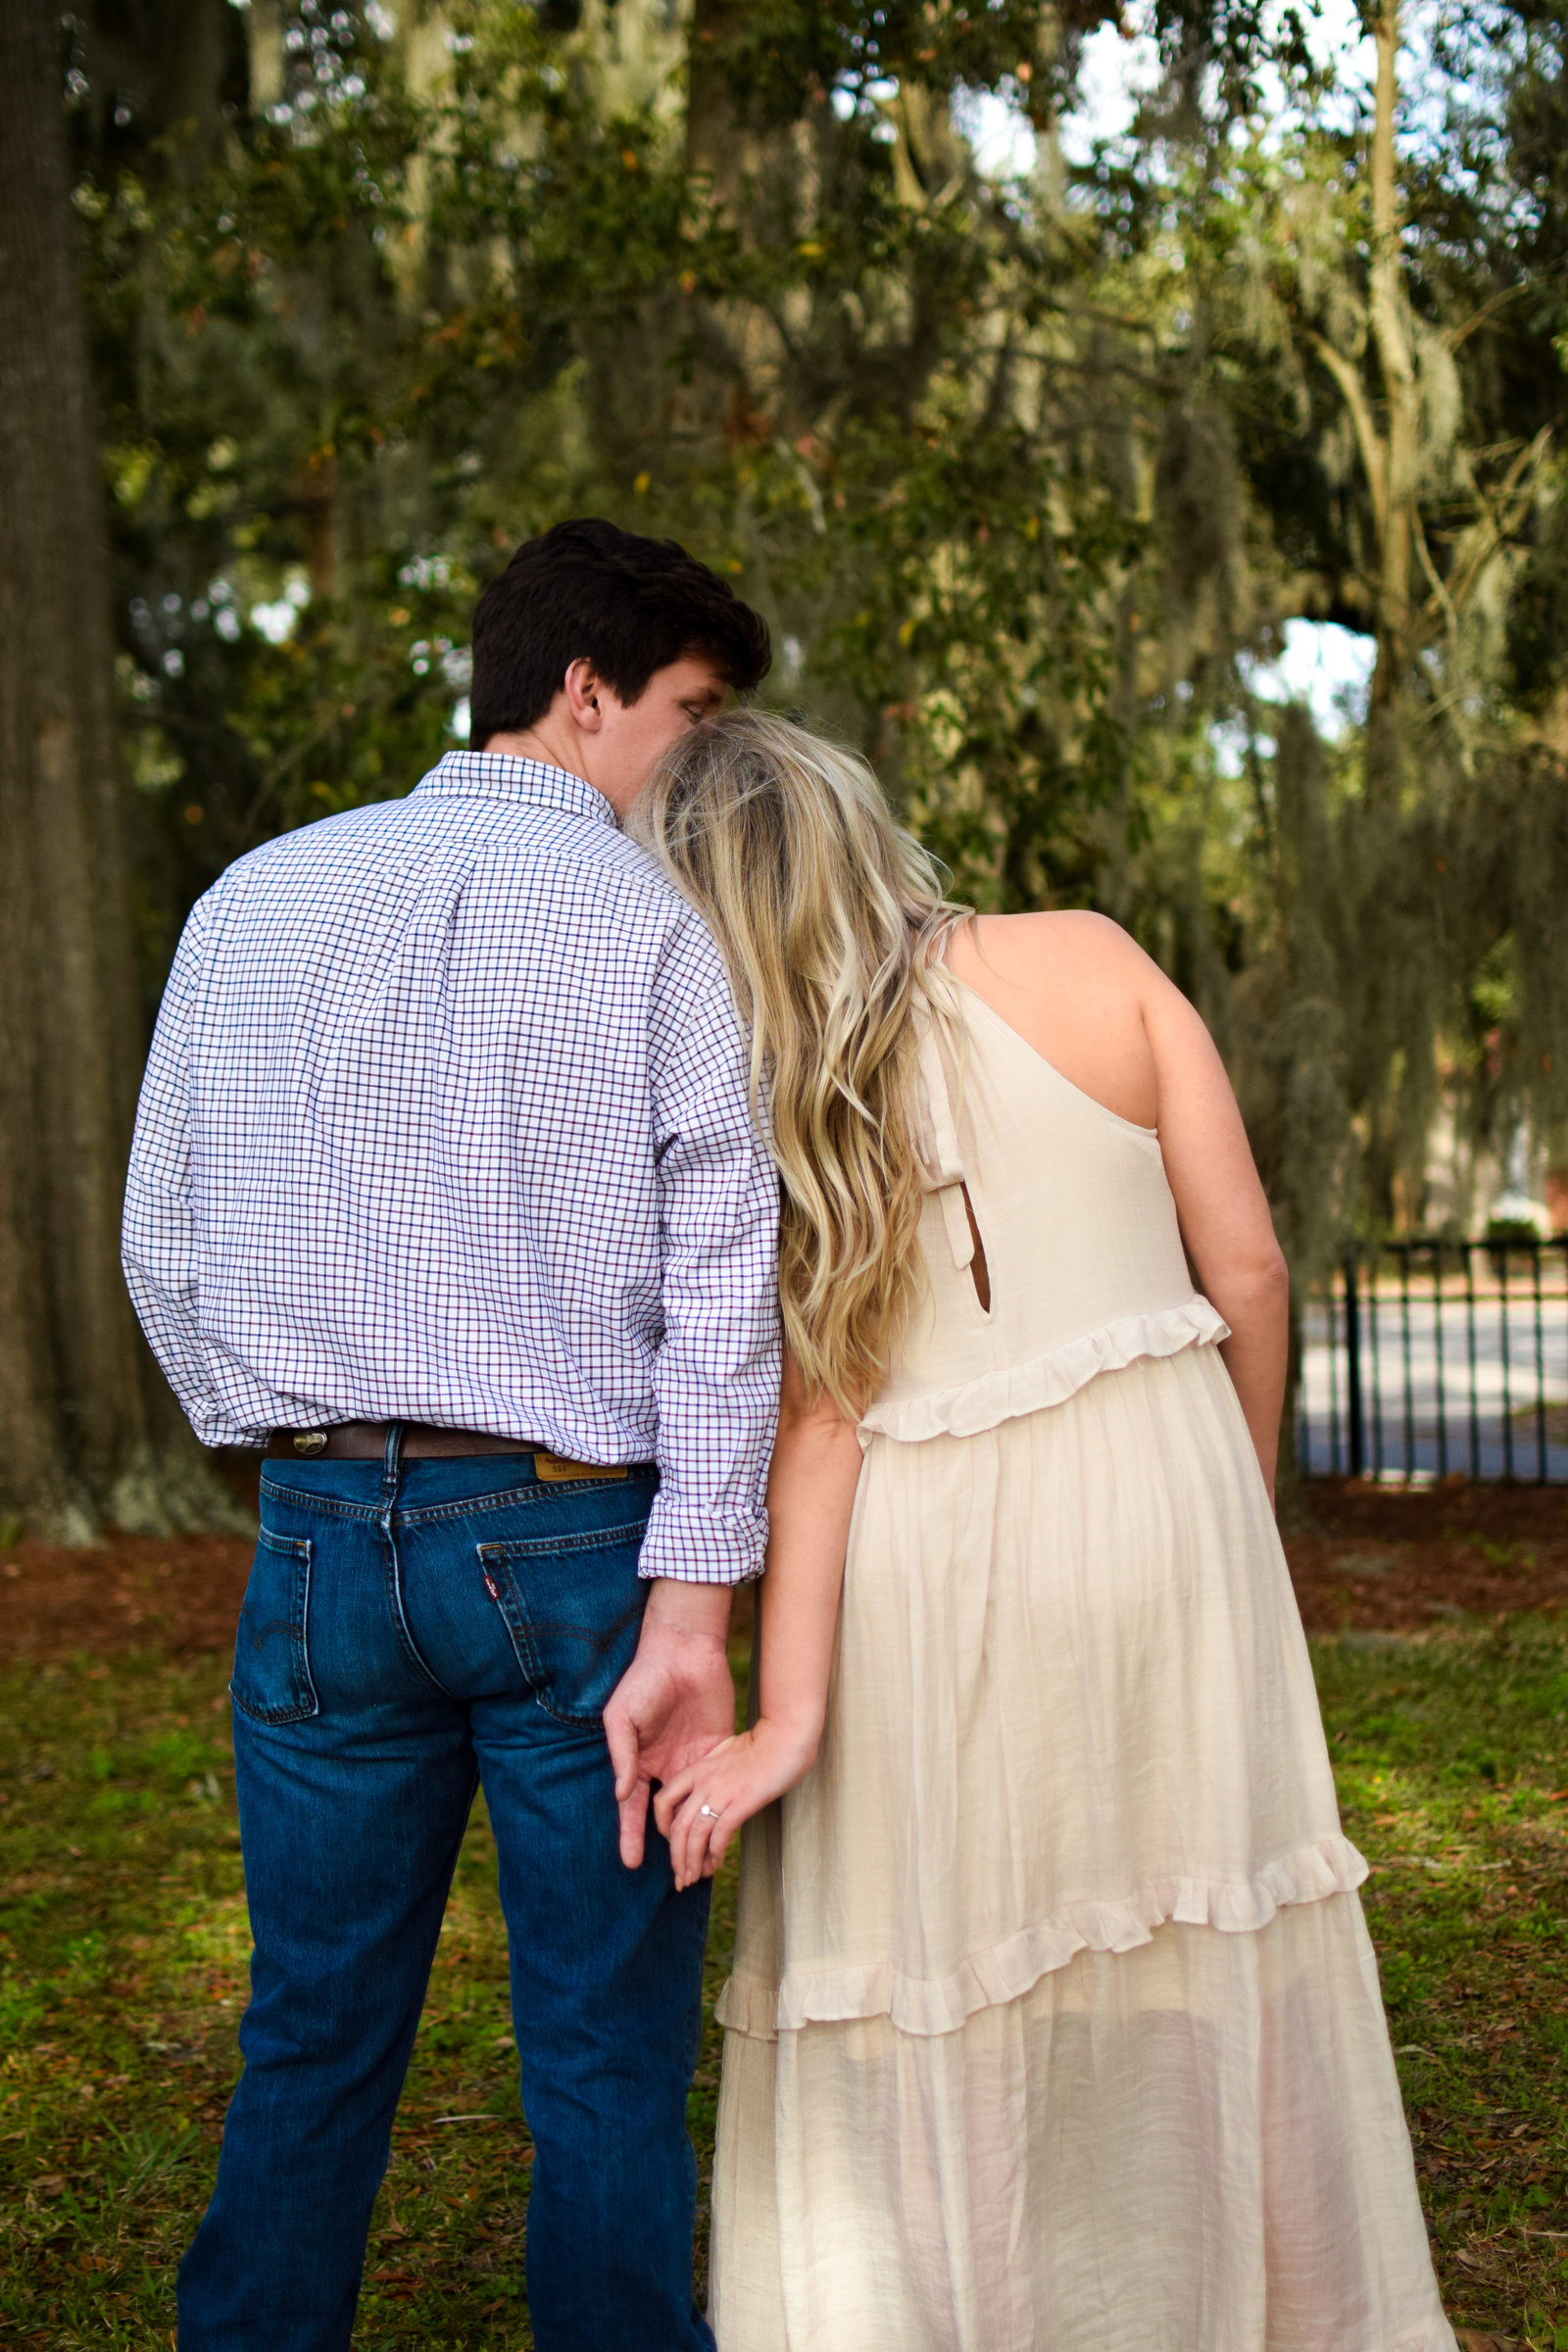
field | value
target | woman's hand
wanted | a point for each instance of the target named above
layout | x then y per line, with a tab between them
701	1809
811	1499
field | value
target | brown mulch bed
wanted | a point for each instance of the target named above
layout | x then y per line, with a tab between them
1367	1559
180	1594
1399	1559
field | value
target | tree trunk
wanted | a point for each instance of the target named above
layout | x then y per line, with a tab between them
85	1423
717	146
1394	491
1385	409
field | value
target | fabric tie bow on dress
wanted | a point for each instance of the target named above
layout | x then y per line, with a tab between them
936	1138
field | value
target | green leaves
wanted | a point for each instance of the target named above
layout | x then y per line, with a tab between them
1020	476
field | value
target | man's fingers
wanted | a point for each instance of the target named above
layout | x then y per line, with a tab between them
634	1824
621	1735
622	1738
656	1726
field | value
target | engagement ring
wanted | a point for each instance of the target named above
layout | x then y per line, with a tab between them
707	1813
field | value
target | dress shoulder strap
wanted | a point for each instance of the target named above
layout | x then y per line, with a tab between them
936	1138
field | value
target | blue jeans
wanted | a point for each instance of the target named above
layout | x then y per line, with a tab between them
408	1634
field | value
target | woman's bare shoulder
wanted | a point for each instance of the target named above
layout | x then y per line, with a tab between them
1076	987
1033	950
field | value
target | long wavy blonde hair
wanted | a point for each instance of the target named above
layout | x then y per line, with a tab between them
831	919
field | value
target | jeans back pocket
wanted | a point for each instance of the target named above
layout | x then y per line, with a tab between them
573	1607
271	1680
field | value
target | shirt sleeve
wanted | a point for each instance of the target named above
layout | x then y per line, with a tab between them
716	1371
157	1240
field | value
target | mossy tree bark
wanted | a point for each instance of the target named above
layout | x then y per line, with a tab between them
86	1425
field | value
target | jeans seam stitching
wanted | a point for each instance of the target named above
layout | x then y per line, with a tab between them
573	1723
406	1642
520	1631
272	1540
303	1498
321	1502
300	1546
544	1547
600	1641
541	1490
504	1600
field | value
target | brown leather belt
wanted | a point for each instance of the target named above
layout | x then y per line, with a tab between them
366	1442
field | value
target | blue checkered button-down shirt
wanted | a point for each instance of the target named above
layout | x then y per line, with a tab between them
446	1121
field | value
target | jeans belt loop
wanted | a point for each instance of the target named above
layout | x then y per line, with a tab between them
391	1465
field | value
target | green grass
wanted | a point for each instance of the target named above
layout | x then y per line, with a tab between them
1452	1756
123	1971
123	1974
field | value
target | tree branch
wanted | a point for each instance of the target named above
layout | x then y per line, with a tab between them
1372	453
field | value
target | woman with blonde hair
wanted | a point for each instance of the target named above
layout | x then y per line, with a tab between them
1054	2022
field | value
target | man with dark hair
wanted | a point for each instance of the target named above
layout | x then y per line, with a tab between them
631	607
446	1194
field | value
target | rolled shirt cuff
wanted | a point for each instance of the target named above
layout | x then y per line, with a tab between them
700	1543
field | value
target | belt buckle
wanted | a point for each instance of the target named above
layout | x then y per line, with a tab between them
557	1471
310	1440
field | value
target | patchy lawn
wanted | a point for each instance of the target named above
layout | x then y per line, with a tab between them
1375	1557
1451	1755
123	1971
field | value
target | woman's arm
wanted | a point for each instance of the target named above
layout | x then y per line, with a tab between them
1223	1210
810	1495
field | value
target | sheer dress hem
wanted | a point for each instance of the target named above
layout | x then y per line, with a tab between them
929	2006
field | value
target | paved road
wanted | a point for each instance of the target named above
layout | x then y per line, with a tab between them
1513	1366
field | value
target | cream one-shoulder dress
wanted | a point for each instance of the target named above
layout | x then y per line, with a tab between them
1053	2025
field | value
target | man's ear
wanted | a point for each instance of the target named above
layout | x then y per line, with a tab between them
584	690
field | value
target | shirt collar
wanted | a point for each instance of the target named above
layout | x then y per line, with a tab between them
503	776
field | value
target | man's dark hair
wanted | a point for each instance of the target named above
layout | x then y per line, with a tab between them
586	591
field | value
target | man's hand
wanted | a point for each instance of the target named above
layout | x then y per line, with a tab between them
674	1702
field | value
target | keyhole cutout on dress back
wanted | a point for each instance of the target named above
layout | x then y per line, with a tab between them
977	1265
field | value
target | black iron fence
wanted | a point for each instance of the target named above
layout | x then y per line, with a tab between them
1423	1359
